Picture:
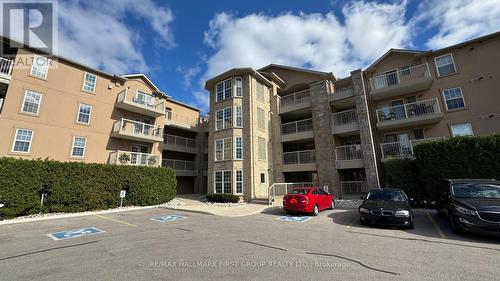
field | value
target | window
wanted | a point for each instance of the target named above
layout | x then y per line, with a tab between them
31	103
223	149
40	66
239	86
224	118
239	182
22	140
262	148
238	148
454	99
223	182
78	149
89	81
260	92
262	178
418	133
219	92
445	65
261	118
461	130
239	117
224	90
84	113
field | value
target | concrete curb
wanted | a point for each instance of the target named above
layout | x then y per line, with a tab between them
220	215
187	210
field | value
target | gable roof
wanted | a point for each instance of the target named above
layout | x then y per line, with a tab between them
147	80
391	51
236	71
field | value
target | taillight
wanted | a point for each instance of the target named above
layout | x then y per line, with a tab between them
303	199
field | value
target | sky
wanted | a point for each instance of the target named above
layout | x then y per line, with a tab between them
180	44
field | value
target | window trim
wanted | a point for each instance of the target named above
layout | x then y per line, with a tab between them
224	90
39	103
240	116
236	148
236	182
445	101
437	68
83	84
78	113
15	139
33	64
236	87
73	147
223	148
465	123
224	119
222	182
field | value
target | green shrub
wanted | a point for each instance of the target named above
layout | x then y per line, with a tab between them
75	187
223	198
402	173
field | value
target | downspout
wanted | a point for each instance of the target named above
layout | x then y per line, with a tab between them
250	104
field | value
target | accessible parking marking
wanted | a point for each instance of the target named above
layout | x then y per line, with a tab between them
75	233
169	218
300	219
119	221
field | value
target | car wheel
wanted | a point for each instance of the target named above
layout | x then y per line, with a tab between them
333	205
455	226
315	210
411	225
362	222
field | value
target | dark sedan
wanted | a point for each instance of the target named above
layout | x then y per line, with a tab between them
470	205
387	207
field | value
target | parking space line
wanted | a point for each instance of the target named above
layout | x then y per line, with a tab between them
352	222
438	229
126	223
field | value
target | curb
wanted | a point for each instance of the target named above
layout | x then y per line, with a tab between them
225	216
188	211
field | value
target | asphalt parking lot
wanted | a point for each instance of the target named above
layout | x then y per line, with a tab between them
330	246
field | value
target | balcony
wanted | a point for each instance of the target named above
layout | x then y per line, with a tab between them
410	114
402	149
129	158
137	131
183	168
345	123
181	121
298	161
296	101
5	69
181	144
349	157
353	188
139	102
400	82
342	97
297	130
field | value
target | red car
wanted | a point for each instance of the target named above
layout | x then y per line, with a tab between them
310	200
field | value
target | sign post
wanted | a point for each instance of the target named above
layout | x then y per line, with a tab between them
122	195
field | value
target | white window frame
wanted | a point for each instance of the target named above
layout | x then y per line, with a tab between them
73	147
238	84
236	181
453	61
238	116
226	124
33	65
223	172
236	148
29	142
39	102
446	101
85	82
224	147
224	89
466	123
78	113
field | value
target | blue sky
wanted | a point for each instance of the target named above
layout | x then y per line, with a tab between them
179	44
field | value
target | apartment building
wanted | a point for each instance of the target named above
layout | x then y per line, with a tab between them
52	107
281	124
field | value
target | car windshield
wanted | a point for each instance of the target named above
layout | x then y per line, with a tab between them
385	195
476	190
300	191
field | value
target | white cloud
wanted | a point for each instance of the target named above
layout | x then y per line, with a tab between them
458	20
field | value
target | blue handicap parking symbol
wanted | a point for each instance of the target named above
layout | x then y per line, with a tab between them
295	218
168	218
75	233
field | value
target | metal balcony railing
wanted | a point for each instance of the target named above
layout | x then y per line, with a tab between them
399	77
136	128
6	66
181	119
180	141
121	157
409	110
141	99
349	152
179	165
295	98
297	127
345	117
353	187
401	149
299	157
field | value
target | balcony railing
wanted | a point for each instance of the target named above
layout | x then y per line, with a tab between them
297	127
140	102
6	66
121	157
295	98
401	149
179	165
180	141
349	152
353	188
299	157
399	77
131	128
181	119
409	110
345	117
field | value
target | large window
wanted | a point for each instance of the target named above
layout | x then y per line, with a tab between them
89	81
261	118
84	112
445	65
224	90
453	98
239	86
40	67
223	149
239	182
22	141
239	117
461	130
31	103
262	148
224	118
78	148
238	148
223	182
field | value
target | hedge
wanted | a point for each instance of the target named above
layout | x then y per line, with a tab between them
458	157
76	187
223	198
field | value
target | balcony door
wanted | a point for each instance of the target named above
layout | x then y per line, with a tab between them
139	154
400	144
